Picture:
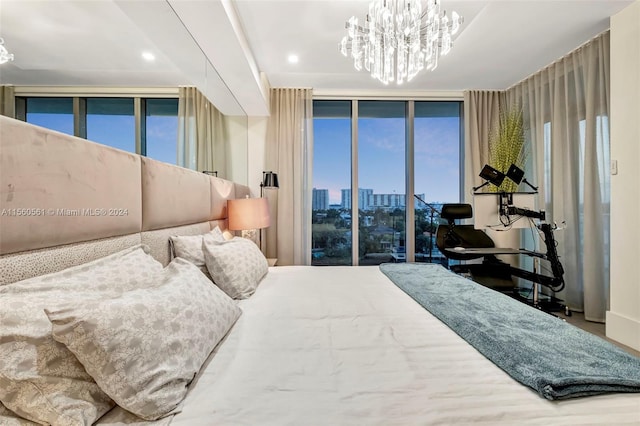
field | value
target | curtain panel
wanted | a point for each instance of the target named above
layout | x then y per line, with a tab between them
7	100
289	149
202	134
566	110
481	115
481	112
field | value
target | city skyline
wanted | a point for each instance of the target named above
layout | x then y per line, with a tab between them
367	199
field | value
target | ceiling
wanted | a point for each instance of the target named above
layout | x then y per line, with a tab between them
228	47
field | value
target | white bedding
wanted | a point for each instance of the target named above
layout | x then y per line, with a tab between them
345	346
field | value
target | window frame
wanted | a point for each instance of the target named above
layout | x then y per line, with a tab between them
409	161
81	94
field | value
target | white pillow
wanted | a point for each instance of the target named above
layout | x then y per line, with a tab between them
189	247
236	265
7	418
39	378
144	347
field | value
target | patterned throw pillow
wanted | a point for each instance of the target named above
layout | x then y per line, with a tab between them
144	347
40	379
189	247
7	418
236	265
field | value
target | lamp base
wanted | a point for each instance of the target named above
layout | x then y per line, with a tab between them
250	234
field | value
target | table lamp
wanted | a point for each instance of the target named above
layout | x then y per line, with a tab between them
247	215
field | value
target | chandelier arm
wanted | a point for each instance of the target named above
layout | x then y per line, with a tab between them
398	42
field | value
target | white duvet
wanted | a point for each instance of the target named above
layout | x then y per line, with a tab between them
345	346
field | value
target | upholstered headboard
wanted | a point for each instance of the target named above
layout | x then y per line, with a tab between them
66	201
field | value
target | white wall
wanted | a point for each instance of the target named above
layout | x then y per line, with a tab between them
623	318
237	159
256	146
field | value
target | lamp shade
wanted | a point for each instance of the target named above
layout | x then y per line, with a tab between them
248	213
270	180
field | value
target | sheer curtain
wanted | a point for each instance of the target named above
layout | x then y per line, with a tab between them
481	111
566	108
202	138
7	100
289	148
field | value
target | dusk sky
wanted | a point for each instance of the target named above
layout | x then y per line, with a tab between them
118	130
381	157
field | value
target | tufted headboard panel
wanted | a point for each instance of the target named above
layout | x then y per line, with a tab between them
173	196
54	189
65	201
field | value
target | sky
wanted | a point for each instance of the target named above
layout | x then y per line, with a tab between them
381	156
118	131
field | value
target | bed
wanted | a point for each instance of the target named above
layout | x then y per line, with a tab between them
308	345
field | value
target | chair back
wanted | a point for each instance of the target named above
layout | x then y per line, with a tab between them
454	235
452	212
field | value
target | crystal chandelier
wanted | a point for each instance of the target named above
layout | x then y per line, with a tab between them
5	56
399	38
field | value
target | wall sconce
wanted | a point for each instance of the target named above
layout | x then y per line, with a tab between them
269	181
247	215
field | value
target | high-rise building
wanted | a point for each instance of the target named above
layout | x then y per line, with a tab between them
391	201
320	199
363	198
367	200
387	201
345	199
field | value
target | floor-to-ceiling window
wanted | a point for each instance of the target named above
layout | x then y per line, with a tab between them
381	181
110	121
437	171
52	113
378	132
161	129
331	205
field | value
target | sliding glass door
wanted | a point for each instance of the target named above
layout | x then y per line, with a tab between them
362	153
331	204
381	181
437	171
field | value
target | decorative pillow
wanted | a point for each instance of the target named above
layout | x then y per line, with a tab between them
236	265
40	379
7	418
145	346
189	247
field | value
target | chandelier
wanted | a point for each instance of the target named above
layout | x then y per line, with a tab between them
399	38
5	56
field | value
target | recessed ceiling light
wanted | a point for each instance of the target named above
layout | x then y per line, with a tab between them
148	56
293	59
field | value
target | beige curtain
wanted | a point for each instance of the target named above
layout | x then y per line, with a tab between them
202	134
7	100
566	109
289	148
481	112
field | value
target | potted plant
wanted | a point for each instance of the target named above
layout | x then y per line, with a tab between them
507	146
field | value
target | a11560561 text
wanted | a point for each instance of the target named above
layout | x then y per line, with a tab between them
83	212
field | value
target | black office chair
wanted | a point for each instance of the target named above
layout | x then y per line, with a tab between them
453	235
492	272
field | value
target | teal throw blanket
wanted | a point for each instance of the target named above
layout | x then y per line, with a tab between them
541	351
